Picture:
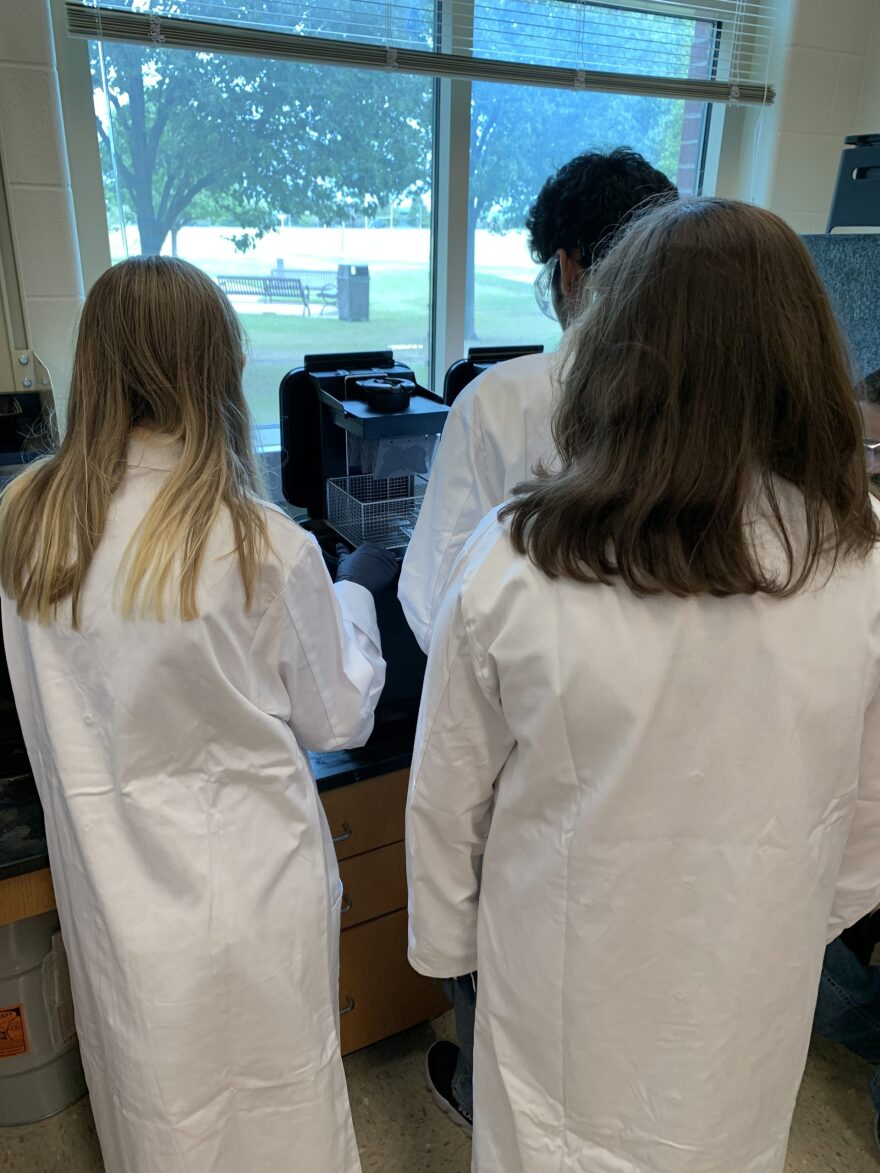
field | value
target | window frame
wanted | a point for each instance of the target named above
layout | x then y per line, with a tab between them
84	159
451	149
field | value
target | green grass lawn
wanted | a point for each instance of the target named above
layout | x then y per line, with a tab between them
399	319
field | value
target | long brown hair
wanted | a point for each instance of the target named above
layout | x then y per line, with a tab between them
158	346
705	374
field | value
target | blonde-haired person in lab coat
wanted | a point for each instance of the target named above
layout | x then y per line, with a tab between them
175	646
646	783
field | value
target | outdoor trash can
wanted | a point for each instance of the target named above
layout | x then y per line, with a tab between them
354	293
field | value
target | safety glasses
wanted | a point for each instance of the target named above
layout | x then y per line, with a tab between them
544	287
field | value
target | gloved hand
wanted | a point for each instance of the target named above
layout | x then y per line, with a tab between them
370	566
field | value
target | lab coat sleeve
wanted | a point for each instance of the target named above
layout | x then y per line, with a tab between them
858	884
464	485
331	656
462	743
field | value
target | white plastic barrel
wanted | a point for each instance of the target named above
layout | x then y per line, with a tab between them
40	1069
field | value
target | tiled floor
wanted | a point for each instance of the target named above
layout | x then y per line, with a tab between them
400	1130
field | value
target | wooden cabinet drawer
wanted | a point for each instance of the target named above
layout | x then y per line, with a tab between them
32	894
367	814
373	884
379	994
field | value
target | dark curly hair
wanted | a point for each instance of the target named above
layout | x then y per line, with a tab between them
586	201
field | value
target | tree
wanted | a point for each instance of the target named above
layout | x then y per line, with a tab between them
243	140
256	138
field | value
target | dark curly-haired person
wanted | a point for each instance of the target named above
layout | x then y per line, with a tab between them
496	432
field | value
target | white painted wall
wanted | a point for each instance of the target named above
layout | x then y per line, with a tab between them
827	75
869	100
35	162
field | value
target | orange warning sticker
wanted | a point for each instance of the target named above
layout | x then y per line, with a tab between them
13	1032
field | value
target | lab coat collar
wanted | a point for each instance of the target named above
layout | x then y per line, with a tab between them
153	450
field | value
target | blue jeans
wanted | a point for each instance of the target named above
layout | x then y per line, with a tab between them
848	1009
462	993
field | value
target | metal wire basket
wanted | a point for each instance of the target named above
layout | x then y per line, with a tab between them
373	509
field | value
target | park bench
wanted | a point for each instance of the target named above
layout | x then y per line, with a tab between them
295	285
320	284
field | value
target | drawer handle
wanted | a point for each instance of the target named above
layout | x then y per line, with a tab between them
346	904
348	1007
346	833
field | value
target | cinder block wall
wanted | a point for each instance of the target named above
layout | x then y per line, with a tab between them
830	88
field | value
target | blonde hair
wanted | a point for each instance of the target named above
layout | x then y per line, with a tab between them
159	346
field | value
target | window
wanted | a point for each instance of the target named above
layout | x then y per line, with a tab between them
516	142
277	179
519	137
304	184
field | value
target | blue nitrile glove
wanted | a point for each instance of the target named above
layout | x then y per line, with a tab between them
370	566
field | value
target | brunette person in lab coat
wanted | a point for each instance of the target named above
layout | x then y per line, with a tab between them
646	783
175	647
497	431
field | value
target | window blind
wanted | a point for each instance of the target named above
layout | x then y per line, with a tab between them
717	50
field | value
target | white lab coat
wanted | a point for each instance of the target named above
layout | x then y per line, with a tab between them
641	819
495	434
195	876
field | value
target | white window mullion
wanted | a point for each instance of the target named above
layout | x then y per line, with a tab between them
452	138
450	217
